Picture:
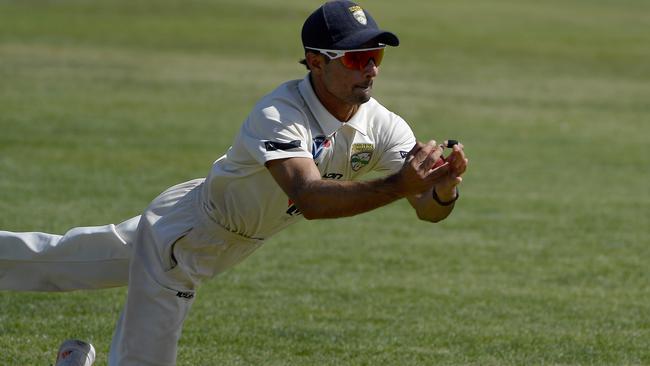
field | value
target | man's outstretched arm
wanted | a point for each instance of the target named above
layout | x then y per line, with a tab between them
319	198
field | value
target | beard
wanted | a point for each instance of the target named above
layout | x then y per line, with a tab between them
361	94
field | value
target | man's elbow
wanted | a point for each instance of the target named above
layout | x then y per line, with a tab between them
308	211
310	214
313	211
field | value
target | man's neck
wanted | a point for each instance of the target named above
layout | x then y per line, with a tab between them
338	108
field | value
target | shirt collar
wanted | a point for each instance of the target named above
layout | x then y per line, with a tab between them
328	123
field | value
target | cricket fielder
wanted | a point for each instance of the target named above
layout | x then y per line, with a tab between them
299	154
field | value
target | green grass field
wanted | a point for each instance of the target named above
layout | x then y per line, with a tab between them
546	260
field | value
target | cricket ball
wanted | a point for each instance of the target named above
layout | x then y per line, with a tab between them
439	162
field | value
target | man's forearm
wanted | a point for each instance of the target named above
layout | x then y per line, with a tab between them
318	198
331	199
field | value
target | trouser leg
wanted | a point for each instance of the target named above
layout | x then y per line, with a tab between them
159	300
151	322
174	251
160	294
84	258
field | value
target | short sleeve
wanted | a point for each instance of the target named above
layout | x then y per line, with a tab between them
276	132
399	141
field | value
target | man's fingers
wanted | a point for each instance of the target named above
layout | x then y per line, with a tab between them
413	154
450	143
423	153
432	158
439	172
463	166
457	157
461	162
459	166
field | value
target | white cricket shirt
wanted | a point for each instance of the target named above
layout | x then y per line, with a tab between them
241	195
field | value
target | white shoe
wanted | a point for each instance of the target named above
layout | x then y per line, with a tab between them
75	353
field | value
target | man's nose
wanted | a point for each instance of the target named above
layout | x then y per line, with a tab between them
371	70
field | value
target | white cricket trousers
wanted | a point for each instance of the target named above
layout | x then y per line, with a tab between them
163	255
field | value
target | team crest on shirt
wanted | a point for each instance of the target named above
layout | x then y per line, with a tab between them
361	155
358	14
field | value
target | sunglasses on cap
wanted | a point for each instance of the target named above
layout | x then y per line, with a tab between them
354	59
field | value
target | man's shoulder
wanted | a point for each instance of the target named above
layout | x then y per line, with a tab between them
282	108
285	99
285	93
380	115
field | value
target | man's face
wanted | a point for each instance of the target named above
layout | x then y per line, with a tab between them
350	86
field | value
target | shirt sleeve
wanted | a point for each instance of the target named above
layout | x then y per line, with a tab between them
276	132
400	140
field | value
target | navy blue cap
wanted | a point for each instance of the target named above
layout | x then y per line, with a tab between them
343	25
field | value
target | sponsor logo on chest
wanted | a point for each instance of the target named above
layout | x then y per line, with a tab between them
361	155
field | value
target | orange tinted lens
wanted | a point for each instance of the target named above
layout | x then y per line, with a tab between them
358	60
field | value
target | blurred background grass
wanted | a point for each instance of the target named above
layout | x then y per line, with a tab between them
545	261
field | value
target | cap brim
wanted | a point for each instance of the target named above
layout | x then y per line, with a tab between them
358	39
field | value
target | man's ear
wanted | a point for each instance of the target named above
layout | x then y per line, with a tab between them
315	62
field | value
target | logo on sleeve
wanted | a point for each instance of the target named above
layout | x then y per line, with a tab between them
361	155
403	154
274	145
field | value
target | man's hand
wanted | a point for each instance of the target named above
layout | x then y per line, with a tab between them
417	175
445	179
446	187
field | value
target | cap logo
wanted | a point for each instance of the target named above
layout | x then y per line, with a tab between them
358	14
